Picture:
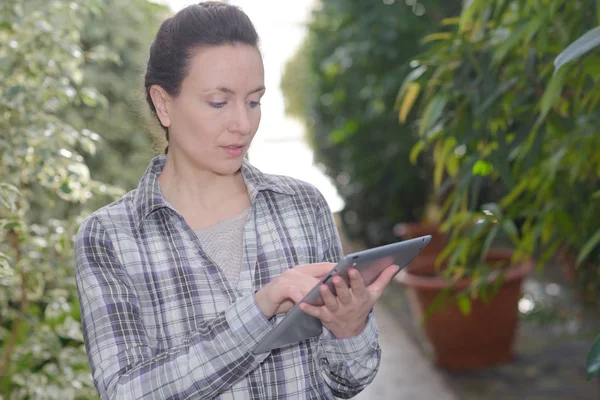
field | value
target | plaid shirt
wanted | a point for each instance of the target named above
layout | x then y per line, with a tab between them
161	321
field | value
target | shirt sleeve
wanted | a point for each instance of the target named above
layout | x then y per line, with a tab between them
123	363
348	365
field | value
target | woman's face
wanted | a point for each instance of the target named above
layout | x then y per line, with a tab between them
216	115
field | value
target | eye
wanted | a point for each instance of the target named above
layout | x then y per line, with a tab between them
217	104
254	104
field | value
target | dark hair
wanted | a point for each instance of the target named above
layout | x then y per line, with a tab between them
211	23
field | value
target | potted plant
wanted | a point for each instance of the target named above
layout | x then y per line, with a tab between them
480	286
493	107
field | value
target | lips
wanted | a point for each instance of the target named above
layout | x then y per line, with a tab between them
234	150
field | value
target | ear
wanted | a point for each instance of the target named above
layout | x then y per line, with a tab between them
162	101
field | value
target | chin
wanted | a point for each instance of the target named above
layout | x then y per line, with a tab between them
228	167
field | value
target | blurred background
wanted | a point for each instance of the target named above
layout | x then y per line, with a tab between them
476	122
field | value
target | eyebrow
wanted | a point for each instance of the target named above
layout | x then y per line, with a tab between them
227	90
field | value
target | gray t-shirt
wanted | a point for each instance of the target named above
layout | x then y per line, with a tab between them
222	242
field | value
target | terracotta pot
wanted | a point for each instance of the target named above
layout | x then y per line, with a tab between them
423	264
576	276
484	337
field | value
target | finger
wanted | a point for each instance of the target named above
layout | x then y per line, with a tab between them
315	270
331	302
357	283
296	294
341	290
311	310
377	287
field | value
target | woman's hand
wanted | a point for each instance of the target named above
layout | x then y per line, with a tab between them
345	315
282	293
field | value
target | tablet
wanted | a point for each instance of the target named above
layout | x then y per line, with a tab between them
296	325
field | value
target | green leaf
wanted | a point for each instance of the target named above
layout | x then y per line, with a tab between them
412	92
500	8
506	86
88	145
5	267
510	228
8	196
436	36
464	303
12	224
65	187
89	97
588	247
552	93
410	78
432	113
468	14
509	43
416	150
593	360
483	168
489	240
579	47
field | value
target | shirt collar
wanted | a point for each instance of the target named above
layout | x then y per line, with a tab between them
149	197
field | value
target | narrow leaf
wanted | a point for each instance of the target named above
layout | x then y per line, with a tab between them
436	36
432	113
464	303
516	192
489	240
579	47
588	247
412	92
468	14
506	86
593	360
411	77
416	150
552	93
509	43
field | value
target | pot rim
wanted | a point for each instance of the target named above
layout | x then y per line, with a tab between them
513	273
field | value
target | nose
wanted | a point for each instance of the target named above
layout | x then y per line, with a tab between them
241	120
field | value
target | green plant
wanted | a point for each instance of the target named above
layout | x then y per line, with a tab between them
493	108
593	360
123	31
342	84
40	335
47	95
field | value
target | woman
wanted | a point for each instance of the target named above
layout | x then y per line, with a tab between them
180	278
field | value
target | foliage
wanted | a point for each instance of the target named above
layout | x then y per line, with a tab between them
493	108
124	32
47	94
342	83
593	360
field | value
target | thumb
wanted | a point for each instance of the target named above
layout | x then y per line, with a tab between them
317	269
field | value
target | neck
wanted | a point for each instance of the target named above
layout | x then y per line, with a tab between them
190	188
